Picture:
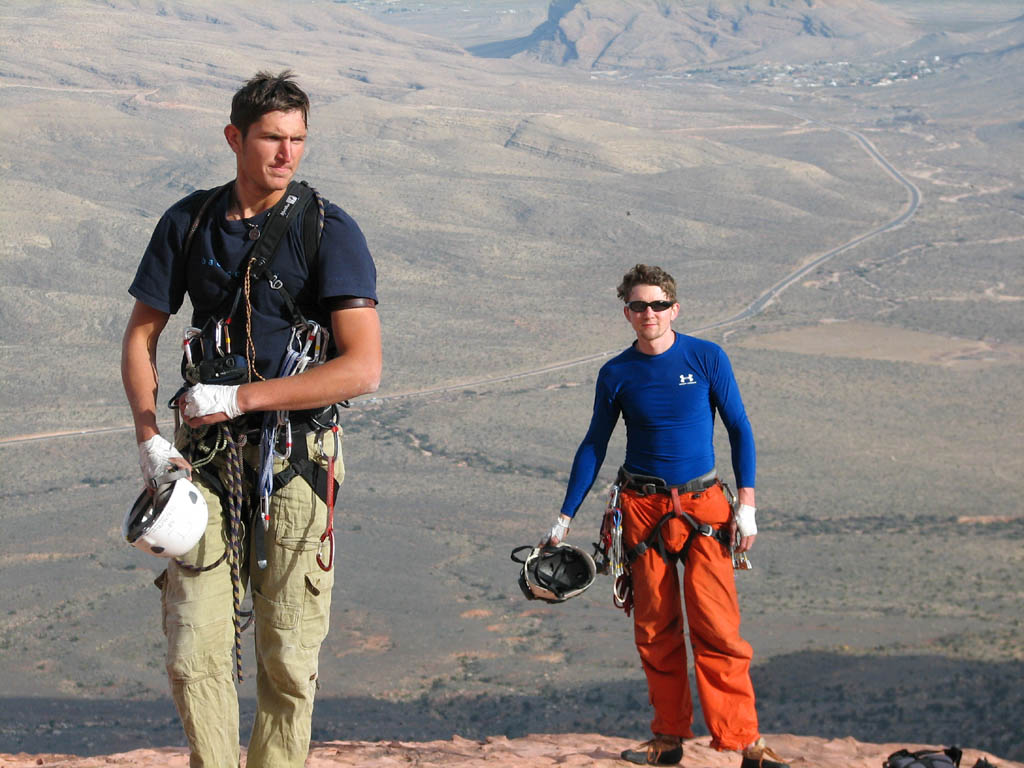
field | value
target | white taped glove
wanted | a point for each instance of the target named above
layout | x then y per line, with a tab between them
745	520
155	457
560	529
207	399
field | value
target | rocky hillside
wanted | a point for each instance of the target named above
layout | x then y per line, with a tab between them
669	35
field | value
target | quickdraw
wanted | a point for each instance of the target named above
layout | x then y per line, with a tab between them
306	348
328	534
610	553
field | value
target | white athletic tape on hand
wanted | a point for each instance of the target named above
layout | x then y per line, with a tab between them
745	520
155	457
207	399
560	529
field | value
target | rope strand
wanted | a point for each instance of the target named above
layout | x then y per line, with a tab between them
235	496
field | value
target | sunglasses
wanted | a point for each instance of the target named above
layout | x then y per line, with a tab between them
641	306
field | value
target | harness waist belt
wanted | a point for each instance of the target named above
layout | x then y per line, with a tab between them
313	419
645	485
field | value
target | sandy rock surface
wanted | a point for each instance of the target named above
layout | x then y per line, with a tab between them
527	752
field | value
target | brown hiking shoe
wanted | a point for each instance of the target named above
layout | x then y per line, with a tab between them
661	750
758	755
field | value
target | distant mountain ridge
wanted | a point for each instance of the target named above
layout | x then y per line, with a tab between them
665	35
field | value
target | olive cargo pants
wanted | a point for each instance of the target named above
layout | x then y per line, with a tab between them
721	657
291	601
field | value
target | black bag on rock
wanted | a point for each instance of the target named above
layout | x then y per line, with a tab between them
924	758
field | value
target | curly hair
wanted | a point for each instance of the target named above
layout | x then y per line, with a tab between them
642	274
266	92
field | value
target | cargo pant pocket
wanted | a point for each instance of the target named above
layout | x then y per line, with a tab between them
199	642
282	658
316	609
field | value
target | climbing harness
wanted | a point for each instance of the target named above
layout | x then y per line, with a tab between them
612	557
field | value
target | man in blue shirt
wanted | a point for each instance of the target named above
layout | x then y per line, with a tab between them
290	374
667	387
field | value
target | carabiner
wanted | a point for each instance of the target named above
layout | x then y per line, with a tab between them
265	510
191	333
221	333
314	337
328	536
287	441
333	429
613	496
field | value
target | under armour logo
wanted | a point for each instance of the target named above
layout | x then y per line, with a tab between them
686	378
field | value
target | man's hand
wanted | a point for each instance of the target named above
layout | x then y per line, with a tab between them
209	404
558	531
155	456
743	523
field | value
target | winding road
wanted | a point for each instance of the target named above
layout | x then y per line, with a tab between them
756	307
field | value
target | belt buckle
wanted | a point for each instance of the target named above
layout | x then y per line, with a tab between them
648	489
705	530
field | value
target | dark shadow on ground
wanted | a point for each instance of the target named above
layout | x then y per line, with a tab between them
910	699
545	32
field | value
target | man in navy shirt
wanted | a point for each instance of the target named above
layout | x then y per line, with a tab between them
667	387
201	247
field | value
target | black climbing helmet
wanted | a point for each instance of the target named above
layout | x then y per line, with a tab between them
554	574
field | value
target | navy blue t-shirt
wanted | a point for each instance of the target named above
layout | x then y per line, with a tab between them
668	402
209	273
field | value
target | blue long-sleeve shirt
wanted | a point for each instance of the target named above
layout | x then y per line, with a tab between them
668	402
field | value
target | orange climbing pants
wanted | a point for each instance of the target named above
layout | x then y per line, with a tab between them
721	657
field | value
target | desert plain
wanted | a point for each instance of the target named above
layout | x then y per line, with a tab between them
843	208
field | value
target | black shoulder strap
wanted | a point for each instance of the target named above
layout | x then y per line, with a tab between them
200	214
292	202
313	232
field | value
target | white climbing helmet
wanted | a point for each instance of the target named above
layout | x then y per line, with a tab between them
169	521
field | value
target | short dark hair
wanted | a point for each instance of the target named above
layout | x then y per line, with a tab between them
642	274
266	92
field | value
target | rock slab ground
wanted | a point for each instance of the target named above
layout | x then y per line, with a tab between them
535	751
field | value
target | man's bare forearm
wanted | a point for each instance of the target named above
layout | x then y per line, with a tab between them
138	367
746	496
